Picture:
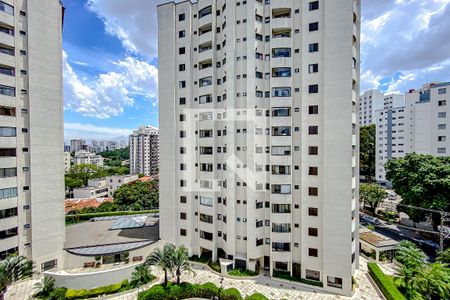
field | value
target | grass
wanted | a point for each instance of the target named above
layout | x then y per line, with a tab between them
242	273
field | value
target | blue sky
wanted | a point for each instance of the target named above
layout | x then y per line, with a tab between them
110	58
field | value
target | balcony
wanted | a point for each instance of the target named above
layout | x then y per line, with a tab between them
7	59
281	23
205	38
9	243
8	223
6	19
7	39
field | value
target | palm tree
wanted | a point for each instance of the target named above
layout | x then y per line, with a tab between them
12	269
141	275
162	258
181	262
45	286
413	260
433	282
444	256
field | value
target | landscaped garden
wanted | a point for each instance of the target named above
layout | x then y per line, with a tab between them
418	279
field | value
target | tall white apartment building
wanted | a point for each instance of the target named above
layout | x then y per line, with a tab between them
258	134
420	125
67	161
144	151
369	102
31	132
76	145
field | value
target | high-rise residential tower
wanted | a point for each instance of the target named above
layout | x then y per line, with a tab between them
144	151
258	134
31	131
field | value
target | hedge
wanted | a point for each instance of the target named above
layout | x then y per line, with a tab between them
256	296
385	283
186	290
72	219
104	290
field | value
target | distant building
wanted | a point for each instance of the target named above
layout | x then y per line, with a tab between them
66	148
114	182
369	102
144	151
420	124
67	161
85	157
96	188
76	145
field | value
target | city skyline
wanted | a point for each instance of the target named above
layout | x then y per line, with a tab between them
107	52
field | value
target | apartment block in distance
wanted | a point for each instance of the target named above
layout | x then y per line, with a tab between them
258	134
31	132
420	124
144	151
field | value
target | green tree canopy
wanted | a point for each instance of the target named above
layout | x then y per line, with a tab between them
367	151
421	180
85	172
137	195
371	194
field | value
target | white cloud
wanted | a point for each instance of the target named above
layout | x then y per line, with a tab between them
107	94
87	131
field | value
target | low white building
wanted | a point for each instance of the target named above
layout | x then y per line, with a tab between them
96	188
85	157
114	182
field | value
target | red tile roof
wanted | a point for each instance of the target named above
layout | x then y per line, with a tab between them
78	204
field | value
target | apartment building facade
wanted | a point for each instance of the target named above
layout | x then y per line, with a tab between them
87	158
258	135
144	151
369	102
420	124
31	126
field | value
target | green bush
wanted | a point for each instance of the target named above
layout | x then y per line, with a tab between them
256	296
103	290
285	275
214	265
311	282
157	292
78	218
207	290
230	294
202	260
385	283
242	273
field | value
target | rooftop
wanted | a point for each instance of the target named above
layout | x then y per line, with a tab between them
80	203
376	239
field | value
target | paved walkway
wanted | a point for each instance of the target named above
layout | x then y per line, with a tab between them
273	289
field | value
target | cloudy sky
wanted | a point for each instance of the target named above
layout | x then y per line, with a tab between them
111	72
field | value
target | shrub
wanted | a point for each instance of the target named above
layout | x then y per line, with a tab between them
207	290
230	294
385	283
256	296
214	265
311	282
103	290
370	227
242	273
285	275
157	292
195	258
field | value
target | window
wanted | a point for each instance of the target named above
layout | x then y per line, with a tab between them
312	231
7	90
442	114
205	99
182	50
182	101
442	91
313	130
441	150
8	172
281	170
313	47
313	88
181	33
7	71
281	92
206	235
206	201
6	50
313	68
442	126
281	52
314	5
182	67
8	193
281	227
204	12
183	232
313	109
281	72
8	213
313	212
281	208
181	17
182	84
281	112
312	275
6	8
313	191
314	26
281	150
205	81
7	111
313	150
182	183
442	138
206	218
281	188
6	30
334	282
281	131
7	131
313	171
7	152
313	252
183	199
442	103
281	247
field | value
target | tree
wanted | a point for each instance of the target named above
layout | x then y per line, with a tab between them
12	269
85	172
432	282
371	194
421	180
137	195
444	257
367	135
181	262
141	275
46	286
162	258
413	260
72	183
